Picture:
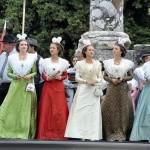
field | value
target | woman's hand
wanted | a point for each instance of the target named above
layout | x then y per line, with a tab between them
58	77
92	82
19	76
116	81
144	82
119	80
27	77
49	78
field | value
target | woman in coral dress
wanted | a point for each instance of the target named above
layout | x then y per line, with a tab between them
53	109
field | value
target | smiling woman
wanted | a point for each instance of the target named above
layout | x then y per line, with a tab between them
20	104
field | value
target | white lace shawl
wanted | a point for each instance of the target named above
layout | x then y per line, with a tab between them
146	70
21	67
86	73
51	68
120	70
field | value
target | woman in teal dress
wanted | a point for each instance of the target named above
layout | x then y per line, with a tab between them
18	111
141	125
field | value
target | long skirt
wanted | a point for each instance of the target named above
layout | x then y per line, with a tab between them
141	126
117	112
85	120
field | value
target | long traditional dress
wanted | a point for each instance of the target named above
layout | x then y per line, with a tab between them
19	109
53	109
141	126
117	109
85	120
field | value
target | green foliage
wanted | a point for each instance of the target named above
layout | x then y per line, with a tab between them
137	34
137	21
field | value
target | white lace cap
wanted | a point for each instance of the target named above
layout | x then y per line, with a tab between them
23	36
86	42
121	41
57	40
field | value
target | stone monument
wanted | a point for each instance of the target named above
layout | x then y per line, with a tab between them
106	27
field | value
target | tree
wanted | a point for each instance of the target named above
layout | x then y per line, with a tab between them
137	21
46	19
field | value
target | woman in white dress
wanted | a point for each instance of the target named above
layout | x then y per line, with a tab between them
85	120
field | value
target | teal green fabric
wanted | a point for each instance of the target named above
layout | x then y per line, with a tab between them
19	110
141	126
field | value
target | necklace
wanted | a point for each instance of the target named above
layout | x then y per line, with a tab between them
22	57
22	63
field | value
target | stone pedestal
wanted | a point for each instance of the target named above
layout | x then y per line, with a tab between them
106	27
103	42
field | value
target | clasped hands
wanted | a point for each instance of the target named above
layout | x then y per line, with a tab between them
58	77
116	81
27	77
91	82
54	76
144	81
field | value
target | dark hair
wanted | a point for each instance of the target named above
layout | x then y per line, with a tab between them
122	48
72	58
84	50
60	48
18	42
35	47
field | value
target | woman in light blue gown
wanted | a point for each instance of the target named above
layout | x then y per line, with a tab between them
141	126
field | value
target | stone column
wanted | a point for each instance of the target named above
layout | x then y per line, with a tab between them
106	15
106	27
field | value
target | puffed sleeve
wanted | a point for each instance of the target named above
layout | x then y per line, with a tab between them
64	75
33	71
99	73
10	73
78	77
129	75
106	77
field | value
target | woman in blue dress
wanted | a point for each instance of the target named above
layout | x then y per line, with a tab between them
141	126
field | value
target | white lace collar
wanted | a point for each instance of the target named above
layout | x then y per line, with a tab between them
51	68
117	70
21	67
